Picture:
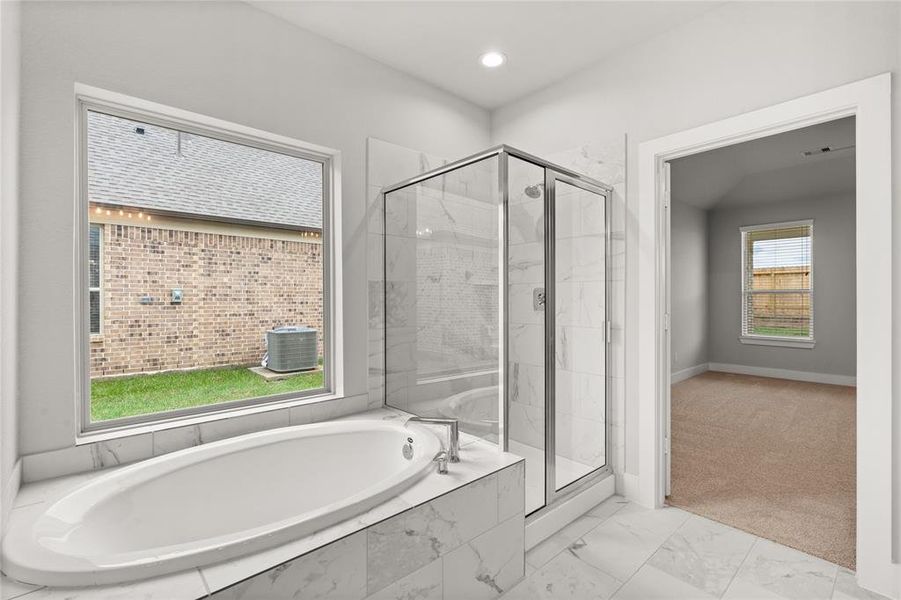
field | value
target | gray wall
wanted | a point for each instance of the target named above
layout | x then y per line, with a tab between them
688	244
223	59
833	280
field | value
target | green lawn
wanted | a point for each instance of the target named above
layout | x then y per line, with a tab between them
786	331
142	394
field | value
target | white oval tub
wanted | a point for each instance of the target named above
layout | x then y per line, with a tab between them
214	502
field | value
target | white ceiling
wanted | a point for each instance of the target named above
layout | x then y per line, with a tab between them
440	42
770	169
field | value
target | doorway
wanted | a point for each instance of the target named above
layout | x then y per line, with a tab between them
869	101
761	293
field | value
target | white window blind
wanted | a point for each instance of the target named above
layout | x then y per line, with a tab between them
777	281
94	266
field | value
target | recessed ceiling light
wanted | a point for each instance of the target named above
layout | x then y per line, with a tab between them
492	59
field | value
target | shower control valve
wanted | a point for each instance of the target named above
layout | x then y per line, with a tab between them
539	298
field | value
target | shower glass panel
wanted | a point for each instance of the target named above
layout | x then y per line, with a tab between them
580	332
442	306
496	310
526	299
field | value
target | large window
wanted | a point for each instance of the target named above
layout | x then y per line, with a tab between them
205	282
777	283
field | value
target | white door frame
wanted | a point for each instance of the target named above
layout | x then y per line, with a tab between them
868	100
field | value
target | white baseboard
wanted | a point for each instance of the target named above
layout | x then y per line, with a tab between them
627	486
785	374
547	524
684	374
10	491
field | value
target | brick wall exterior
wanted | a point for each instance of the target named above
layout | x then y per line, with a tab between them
235	289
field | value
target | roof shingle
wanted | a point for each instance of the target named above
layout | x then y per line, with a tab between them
177	172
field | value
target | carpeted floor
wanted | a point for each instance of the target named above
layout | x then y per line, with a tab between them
772	457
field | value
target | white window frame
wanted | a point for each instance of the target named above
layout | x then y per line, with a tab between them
89	98
775	340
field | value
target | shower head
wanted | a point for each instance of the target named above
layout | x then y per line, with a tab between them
534	191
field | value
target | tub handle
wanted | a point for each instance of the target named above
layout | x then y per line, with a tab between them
441	459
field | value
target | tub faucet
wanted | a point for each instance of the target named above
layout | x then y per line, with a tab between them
453	435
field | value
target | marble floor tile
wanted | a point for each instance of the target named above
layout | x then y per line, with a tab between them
650	583
608	507
745	590
846	588
704	554
565	578
788	573
542	553
620	545
663	521
10	589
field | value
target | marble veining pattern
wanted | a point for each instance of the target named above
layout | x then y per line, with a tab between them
425	584
704	554
685	565
113	453
511	491
482	464
686	557
334	571
412	539
487	566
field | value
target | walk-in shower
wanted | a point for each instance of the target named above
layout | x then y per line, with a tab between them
496	310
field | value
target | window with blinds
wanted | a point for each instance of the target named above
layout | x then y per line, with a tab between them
94	265
777	281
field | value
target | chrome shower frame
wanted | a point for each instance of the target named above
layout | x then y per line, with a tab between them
552	174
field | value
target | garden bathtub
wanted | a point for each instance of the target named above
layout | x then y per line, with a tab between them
214	502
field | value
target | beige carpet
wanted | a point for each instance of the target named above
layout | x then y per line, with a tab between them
768	456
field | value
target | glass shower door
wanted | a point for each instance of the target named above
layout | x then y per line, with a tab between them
579	334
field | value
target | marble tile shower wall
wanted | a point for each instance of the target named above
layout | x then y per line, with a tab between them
526	273
581	286
456	270
387	164
441	269
468	543
605	160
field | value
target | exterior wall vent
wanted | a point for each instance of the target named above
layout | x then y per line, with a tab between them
292	349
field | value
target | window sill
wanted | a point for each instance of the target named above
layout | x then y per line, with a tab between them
96	338
760	340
